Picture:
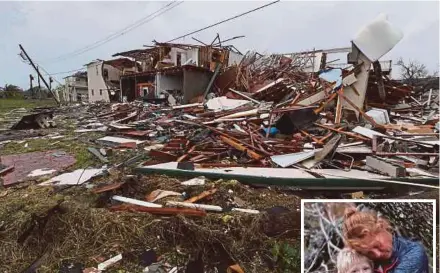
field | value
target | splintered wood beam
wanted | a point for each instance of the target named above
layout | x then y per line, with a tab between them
341	95
332	97
342	132
241	148
326	137
312	137
200	196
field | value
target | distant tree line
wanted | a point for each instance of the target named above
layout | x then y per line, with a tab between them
16	92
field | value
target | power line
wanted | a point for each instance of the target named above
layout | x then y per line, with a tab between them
65	72
47	73
223	21
119	33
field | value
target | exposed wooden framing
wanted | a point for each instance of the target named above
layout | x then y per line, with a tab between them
342	132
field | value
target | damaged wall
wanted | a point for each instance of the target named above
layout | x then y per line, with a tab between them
97	87
96	83
193	54
234	58
75	89
185	55
360	85
168	82
194	83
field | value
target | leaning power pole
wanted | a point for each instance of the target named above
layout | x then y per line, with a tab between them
39	74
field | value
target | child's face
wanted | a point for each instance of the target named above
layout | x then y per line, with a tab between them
362	267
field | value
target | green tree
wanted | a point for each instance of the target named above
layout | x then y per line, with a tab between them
12	91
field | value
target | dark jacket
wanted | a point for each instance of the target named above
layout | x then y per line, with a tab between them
408	257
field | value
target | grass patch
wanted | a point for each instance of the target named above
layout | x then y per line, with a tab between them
7	105
84	232
287	256
72	146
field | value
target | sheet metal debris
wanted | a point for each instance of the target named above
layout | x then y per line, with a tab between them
76	177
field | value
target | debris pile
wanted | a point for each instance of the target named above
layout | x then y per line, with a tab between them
264	127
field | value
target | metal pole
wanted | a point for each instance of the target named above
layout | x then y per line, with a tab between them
39	84
211	82
44	81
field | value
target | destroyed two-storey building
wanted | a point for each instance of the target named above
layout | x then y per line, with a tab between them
181	70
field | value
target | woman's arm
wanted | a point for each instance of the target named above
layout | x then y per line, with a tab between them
414	260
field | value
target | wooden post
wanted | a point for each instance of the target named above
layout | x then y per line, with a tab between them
31	86
33	65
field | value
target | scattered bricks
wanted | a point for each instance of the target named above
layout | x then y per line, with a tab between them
162	155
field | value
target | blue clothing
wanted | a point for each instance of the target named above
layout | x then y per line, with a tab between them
408	257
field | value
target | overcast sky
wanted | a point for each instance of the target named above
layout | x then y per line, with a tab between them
50	29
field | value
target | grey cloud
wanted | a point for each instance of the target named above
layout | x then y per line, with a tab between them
50	29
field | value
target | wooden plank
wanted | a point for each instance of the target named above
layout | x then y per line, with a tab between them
110	187
200	196
242	148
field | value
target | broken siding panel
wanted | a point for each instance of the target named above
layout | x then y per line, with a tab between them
360	85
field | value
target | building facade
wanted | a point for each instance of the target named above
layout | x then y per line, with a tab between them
104	78
76	87
181	70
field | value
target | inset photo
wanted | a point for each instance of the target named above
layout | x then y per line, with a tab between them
366	236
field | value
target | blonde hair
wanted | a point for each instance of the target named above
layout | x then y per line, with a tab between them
359	228
347	257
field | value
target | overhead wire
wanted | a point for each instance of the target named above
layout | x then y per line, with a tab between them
66	72
138	23
224	21
119	33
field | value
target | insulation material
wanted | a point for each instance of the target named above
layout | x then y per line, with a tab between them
377	38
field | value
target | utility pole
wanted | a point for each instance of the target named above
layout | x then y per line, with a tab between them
31	78
40	76
50	82
50	86
39	84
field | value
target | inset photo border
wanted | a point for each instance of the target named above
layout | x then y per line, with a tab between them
371	235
